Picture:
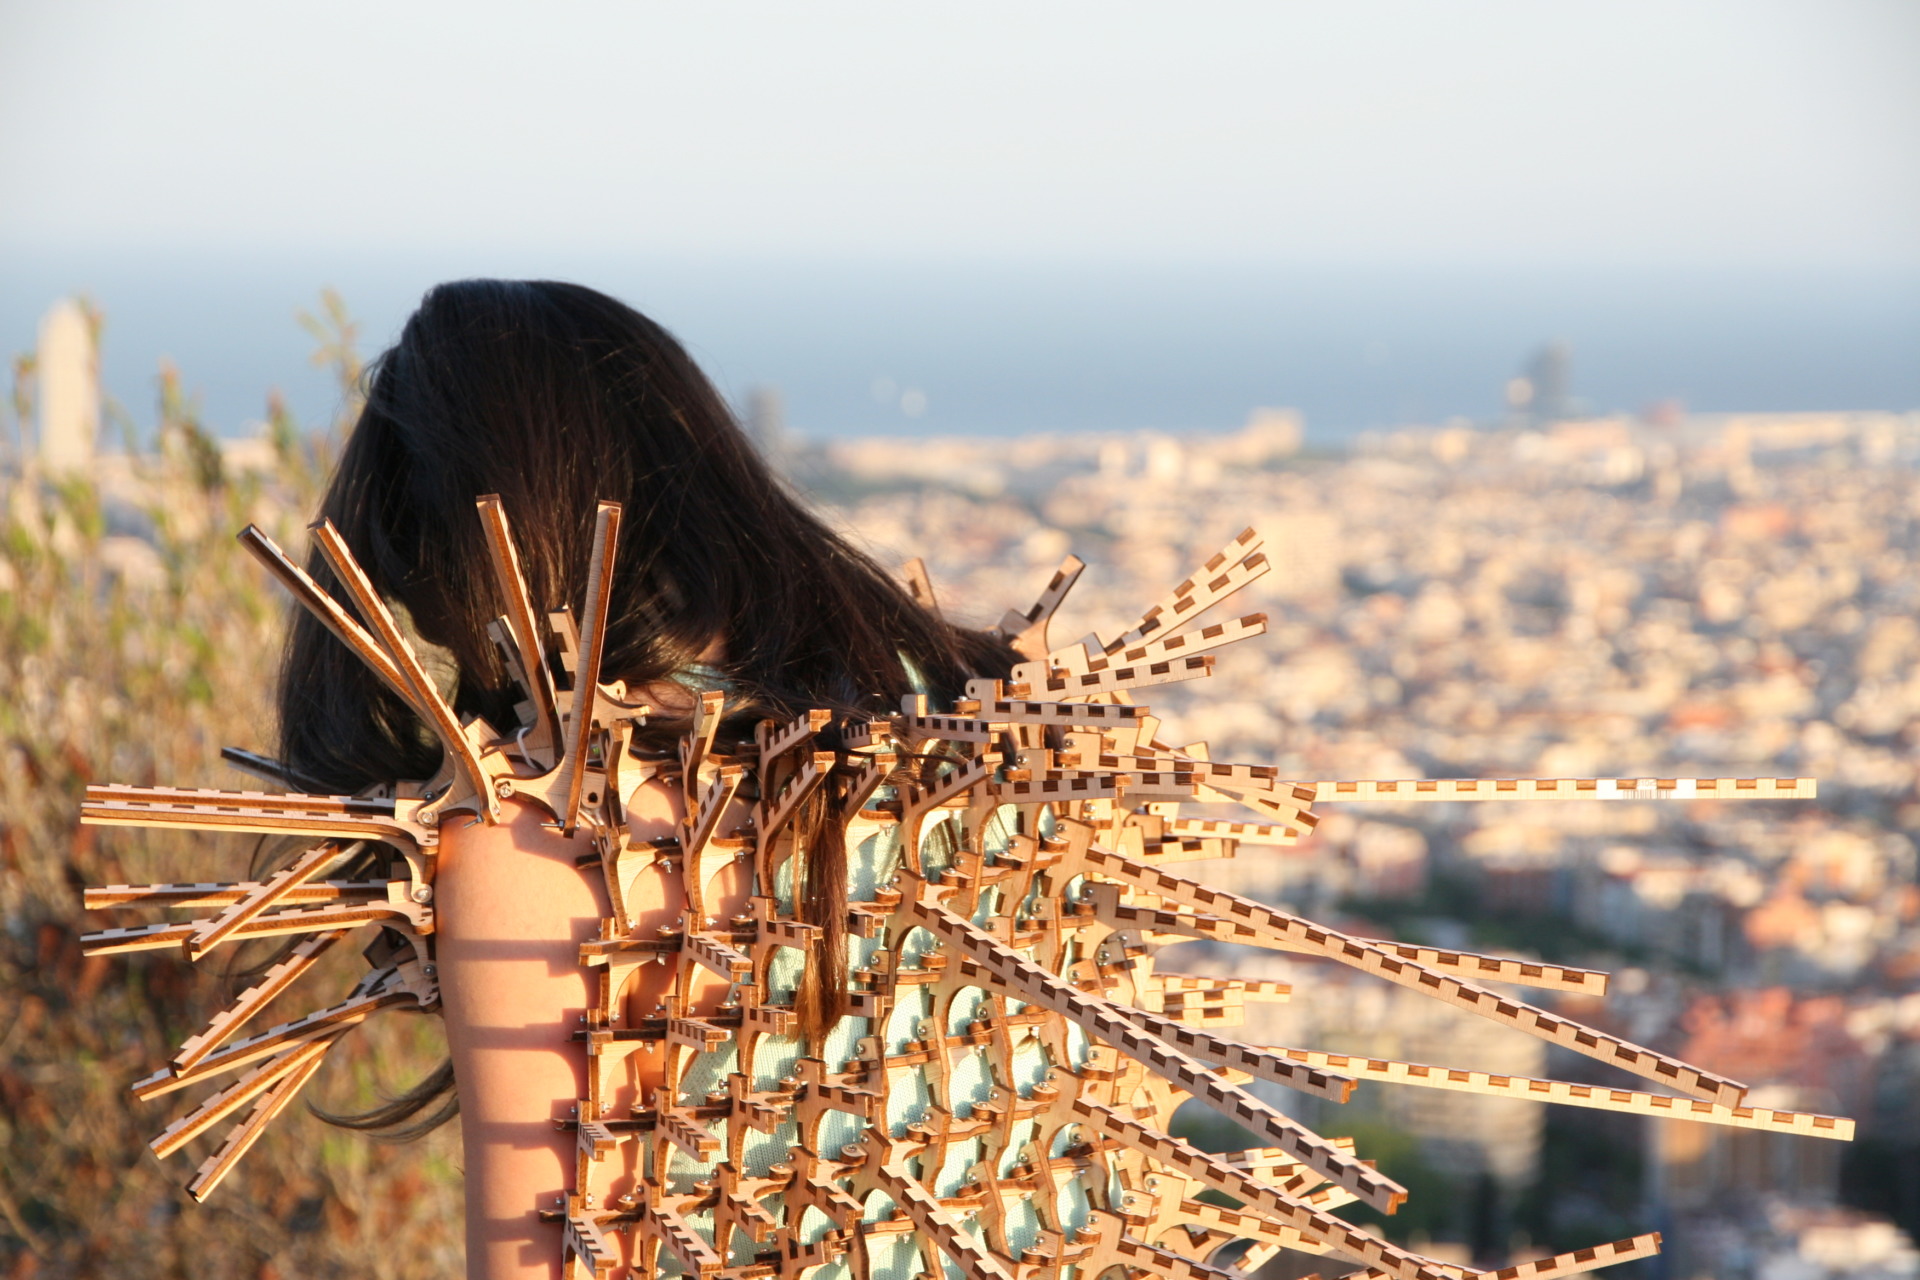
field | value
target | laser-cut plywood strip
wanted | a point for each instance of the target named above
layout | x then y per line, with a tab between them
1569	789
998	1097
1594	1097
1578	1262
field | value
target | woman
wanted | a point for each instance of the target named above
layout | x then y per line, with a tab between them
989	1088
554	397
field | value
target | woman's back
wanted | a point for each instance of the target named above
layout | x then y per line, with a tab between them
777	923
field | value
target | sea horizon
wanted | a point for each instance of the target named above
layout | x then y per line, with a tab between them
1011	348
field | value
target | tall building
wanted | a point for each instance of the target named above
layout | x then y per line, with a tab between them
68	371
1544	390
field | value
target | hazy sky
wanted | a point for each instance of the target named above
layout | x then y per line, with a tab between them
1747	133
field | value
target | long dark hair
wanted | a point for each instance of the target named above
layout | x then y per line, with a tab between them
555	396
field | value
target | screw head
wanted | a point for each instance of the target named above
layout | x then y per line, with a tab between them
503	788
422	894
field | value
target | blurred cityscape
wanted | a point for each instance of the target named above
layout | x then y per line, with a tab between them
1665	595
1658	595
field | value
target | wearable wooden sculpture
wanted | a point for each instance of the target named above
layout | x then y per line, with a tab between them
995	1103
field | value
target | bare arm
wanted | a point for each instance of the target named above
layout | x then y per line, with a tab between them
513	910
512	913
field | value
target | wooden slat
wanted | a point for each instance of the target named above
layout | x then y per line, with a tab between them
593	648
255	998
253	811
1568	789
426	699
1236	919
1595	1097
1564	1264
1013	974
234	1096
241	1139
1226	571
271	892
522	621
215	894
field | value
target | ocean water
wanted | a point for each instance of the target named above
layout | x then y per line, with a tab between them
1010	348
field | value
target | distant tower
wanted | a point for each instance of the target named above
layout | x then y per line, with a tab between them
1550	374
766	423
68	373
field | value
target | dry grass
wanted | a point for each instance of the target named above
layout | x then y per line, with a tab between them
142	677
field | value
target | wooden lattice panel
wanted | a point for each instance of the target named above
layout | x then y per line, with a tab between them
996	1102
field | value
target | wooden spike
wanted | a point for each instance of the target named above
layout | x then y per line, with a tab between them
243	1135
1077	715
1594	1097
318	1025
270	893
1229	1180
892	1142
1569	789
1238	919
523	623
1261	1064
1113	679
1008	971
1231	568
328	610
425	699
112	896
1564	1264
255	998
593	645
204	810
1201	640
234	1096
1027	630
920	584
1263	833
275	924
